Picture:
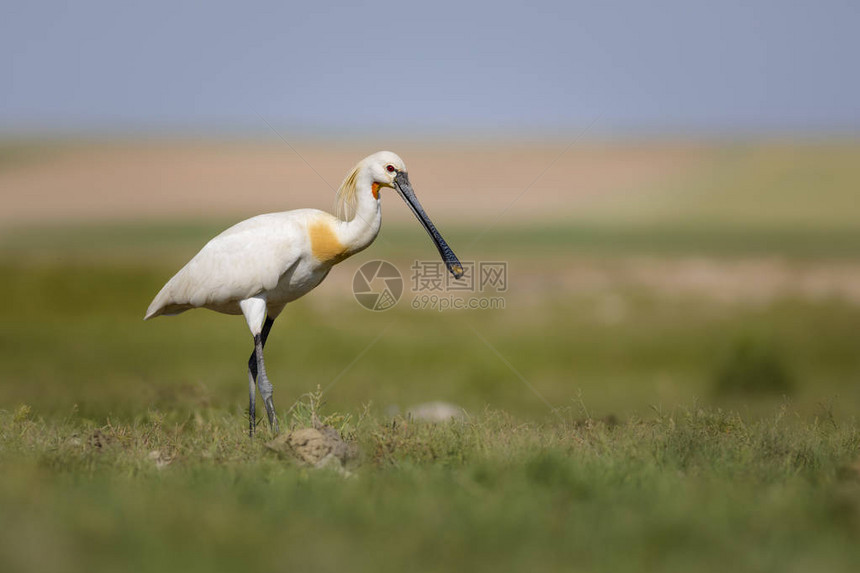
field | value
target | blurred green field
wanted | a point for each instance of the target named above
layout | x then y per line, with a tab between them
715	320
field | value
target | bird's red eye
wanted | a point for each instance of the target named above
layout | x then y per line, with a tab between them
390	168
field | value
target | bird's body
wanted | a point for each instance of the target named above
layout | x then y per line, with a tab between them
259	265
280	255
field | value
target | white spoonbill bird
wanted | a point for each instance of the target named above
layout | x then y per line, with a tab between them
257	266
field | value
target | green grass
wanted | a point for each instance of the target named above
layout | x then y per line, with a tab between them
695	490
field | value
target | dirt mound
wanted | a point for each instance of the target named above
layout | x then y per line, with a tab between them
321	447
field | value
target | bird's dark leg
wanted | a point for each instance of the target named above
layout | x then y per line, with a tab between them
257	369
252	377
264	335
252	404
264	385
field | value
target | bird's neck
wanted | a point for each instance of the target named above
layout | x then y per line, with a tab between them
361	230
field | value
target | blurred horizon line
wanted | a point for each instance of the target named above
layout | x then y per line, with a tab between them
483	135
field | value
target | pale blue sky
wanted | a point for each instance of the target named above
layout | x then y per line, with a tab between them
431	67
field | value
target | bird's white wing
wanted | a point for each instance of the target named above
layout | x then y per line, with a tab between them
243	261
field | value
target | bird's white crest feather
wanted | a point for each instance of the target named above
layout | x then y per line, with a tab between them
347	198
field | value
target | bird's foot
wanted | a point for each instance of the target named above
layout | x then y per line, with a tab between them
273	418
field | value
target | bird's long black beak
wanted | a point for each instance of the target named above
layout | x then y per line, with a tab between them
401	183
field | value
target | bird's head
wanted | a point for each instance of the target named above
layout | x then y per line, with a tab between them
388	170
384	166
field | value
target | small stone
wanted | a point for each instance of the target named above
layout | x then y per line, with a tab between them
161	459
436	412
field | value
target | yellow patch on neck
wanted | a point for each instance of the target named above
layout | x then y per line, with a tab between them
375	190
325	245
